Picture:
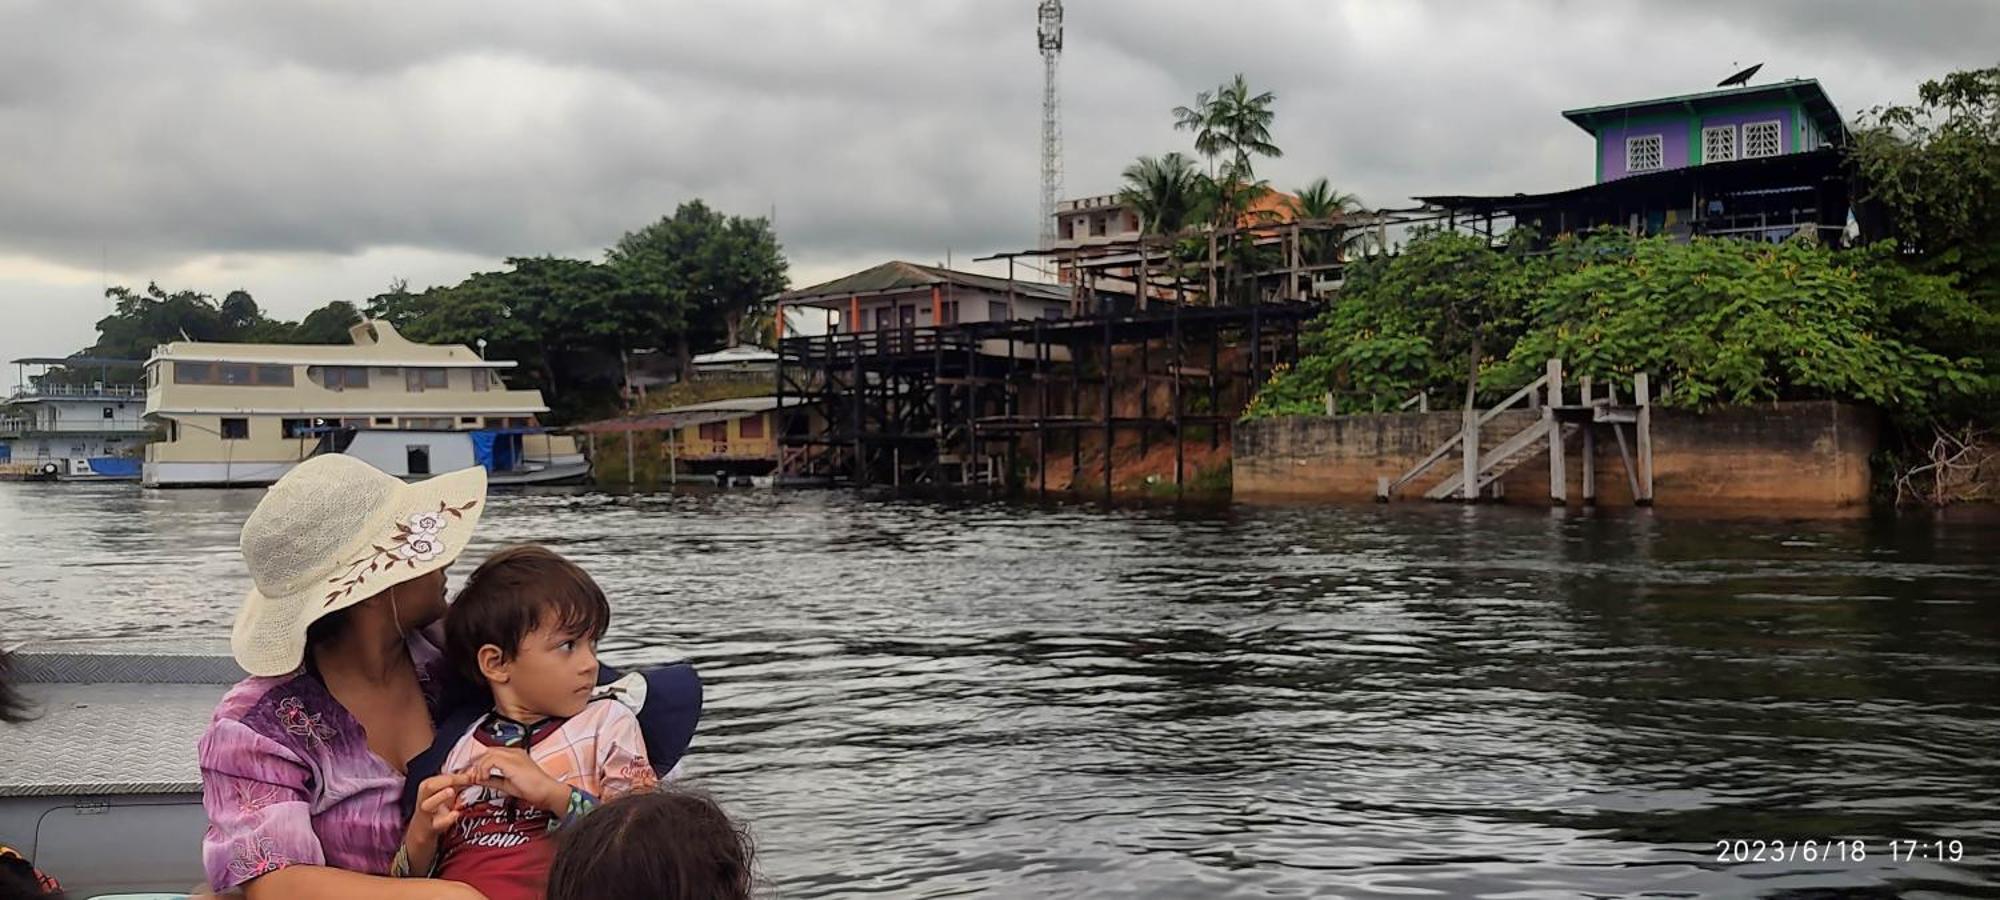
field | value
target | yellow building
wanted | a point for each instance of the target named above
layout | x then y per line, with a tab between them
701	441
246	413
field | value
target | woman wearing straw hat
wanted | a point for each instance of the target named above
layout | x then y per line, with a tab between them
303	763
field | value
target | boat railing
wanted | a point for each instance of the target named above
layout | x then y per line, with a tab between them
92	391
19	426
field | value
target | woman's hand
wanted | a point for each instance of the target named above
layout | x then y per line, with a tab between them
518	776
438	810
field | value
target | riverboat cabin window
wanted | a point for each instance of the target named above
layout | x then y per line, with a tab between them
232	374
296	428
468	420
752	428
1762	139
1644	154
420	380
427	423
338	378
1718	143
235	429
417	459
385	422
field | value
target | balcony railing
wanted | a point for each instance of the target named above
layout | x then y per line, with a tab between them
80	391
15	427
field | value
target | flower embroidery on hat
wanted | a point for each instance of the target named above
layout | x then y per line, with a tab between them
415	540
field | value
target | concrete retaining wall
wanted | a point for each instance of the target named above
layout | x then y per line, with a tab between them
1794	456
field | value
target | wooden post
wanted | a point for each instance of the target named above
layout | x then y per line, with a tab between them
1468	431
1143	293
631	470
1110	436
673	462
1179	370
1381	489
1641	393
1211	268
1589	464
1558	478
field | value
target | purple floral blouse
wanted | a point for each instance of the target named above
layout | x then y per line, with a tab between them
287	779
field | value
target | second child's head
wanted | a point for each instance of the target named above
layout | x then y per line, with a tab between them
527	625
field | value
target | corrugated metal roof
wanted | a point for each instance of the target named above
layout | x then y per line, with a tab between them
1806	91
691	414
896	276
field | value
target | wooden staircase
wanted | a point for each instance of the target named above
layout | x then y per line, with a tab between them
1548	437
1497	462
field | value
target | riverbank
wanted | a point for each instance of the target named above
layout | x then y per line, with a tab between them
1807	457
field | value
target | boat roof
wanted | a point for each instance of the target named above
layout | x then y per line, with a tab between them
75	361
735	355
113	717
375	343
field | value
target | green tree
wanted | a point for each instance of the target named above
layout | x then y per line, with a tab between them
328	324
1167	192
1408	323
1929	178
1320	201
698	274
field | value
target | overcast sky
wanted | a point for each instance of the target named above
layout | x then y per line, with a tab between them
314	150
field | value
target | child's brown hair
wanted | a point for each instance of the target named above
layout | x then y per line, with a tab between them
673	844
515	591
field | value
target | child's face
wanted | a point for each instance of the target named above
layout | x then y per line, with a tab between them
553	674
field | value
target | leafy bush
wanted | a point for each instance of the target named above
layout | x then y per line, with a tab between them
1717	321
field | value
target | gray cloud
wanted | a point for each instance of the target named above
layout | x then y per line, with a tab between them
145	134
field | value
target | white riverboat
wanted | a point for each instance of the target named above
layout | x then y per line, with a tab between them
245	414
70	421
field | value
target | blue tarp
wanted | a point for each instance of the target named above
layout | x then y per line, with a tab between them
498	449
482	449
115	466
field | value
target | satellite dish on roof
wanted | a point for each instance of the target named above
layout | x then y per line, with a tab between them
1742	77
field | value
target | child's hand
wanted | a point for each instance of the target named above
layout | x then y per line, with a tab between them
437	812
519	776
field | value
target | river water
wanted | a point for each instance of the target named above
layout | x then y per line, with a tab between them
916	699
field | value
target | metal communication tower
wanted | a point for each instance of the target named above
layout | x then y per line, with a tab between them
1049	36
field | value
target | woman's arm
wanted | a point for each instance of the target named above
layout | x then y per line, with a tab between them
322	883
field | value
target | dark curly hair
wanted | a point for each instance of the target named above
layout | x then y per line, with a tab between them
672	844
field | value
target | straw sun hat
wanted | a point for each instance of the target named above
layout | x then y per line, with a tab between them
333	532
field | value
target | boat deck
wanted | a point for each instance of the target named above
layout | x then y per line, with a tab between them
112	718
109	761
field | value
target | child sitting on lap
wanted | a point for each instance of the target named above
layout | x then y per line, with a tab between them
670	845
526	626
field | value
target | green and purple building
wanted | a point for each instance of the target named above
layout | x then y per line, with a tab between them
1756	161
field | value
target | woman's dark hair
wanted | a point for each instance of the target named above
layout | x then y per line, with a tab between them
510	595
13	706
674	844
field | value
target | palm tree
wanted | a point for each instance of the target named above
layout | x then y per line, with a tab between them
1209	140
1246	121
1319	201
1166	191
